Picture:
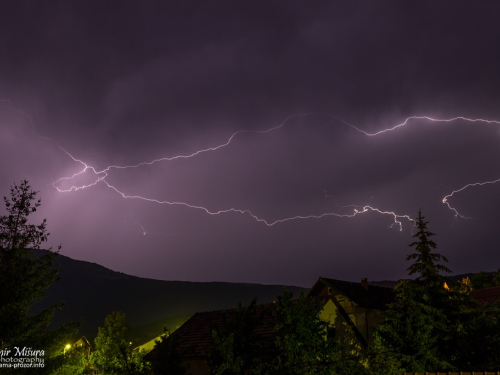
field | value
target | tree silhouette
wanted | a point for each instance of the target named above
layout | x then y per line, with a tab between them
24	278
113	351
418	323
426	262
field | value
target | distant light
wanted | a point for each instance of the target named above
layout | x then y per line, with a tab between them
68	346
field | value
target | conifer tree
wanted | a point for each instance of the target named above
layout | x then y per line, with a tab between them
24	278
426	262
418	324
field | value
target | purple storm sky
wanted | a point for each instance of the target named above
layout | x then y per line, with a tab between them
121	83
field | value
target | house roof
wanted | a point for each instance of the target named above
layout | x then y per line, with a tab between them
372	297
82	341
195	336
487	295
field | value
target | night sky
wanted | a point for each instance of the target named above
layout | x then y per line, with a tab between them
112	84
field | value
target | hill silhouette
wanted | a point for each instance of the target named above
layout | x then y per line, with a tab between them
92	291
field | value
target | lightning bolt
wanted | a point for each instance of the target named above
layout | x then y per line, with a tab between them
129	219
358	210
404	123
100	175
445	199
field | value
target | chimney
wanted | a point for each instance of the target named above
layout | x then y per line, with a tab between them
364	283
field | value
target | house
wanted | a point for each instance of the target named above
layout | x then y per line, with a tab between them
149	345
83	346
356	304
194	337
486	295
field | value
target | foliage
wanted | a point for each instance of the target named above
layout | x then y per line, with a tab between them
434	324
418	326
481	280
168	359
484	280
237	349
75	363
24	277
426	262
476	342
301	337
409	330
379	361
350	358
496	278
113	352
303	343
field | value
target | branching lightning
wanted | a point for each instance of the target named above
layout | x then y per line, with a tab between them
101	175
358	210
422	118
457	214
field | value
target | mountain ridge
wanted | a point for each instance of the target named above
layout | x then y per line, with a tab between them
92	291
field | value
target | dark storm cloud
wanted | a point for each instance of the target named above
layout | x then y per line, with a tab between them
121	83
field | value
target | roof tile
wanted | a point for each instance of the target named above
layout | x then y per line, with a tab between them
195	335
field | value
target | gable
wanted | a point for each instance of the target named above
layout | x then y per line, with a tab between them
329	312
368	296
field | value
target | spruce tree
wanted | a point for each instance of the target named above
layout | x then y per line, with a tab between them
419	323
426	262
